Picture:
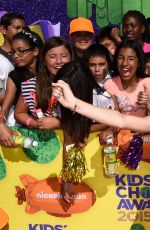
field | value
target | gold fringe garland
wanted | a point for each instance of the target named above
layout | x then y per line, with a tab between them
75	166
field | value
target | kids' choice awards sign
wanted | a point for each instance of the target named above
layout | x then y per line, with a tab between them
133	192
31	198
47	226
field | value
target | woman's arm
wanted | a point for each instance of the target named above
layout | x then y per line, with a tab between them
5	132
109	117
1	99
112	117
22	116
9	96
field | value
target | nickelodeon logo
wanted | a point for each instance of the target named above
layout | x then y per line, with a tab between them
43	195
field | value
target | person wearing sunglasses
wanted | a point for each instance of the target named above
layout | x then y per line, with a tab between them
25	51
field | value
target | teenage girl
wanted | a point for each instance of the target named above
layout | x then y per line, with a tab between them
129	86
26	47
133	27
37	91
76	128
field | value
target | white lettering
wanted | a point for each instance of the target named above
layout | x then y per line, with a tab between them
42	195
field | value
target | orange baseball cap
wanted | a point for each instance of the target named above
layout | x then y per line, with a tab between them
3	218
81	24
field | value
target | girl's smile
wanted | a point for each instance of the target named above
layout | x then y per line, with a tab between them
127	63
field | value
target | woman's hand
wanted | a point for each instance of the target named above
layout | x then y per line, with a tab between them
63	93
47	123
6	136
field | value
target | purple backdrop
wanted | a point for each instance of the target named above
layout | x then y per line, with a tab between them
34	10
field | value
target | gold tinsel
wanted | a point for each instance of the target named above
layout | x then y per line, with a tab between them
75	166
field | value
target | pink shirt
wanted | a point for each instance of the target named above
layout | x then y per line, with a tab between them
127	102
146	47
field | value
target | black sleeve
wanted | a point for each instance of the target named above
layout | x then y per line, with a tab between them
18	75
16	78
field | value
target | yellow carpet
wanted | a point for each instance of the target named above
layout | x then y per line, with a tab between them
102	215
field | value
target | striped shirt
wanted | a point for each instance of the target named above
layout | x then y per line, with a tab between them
28	89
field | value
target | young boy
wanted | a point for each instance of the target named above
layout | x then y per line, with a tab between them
10	24
81	32
108	37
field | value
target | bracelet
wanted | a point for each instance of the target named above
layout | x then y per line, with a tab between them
75	107
28	121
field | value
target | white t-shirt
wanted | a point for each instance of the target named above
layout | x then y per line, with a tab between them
103	100
101	97
5	68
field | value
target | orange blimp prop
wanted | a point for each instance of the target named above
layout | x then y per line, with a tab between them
46	195
3	218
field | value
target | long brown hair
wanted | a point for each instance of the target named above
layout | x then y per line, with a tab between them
80	80
44	81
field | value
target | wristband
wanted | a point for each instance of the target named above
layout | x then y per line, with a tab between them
28	121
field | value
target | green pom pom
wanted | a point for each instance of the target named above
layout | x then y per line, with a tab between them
137	227
48	144
2	169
